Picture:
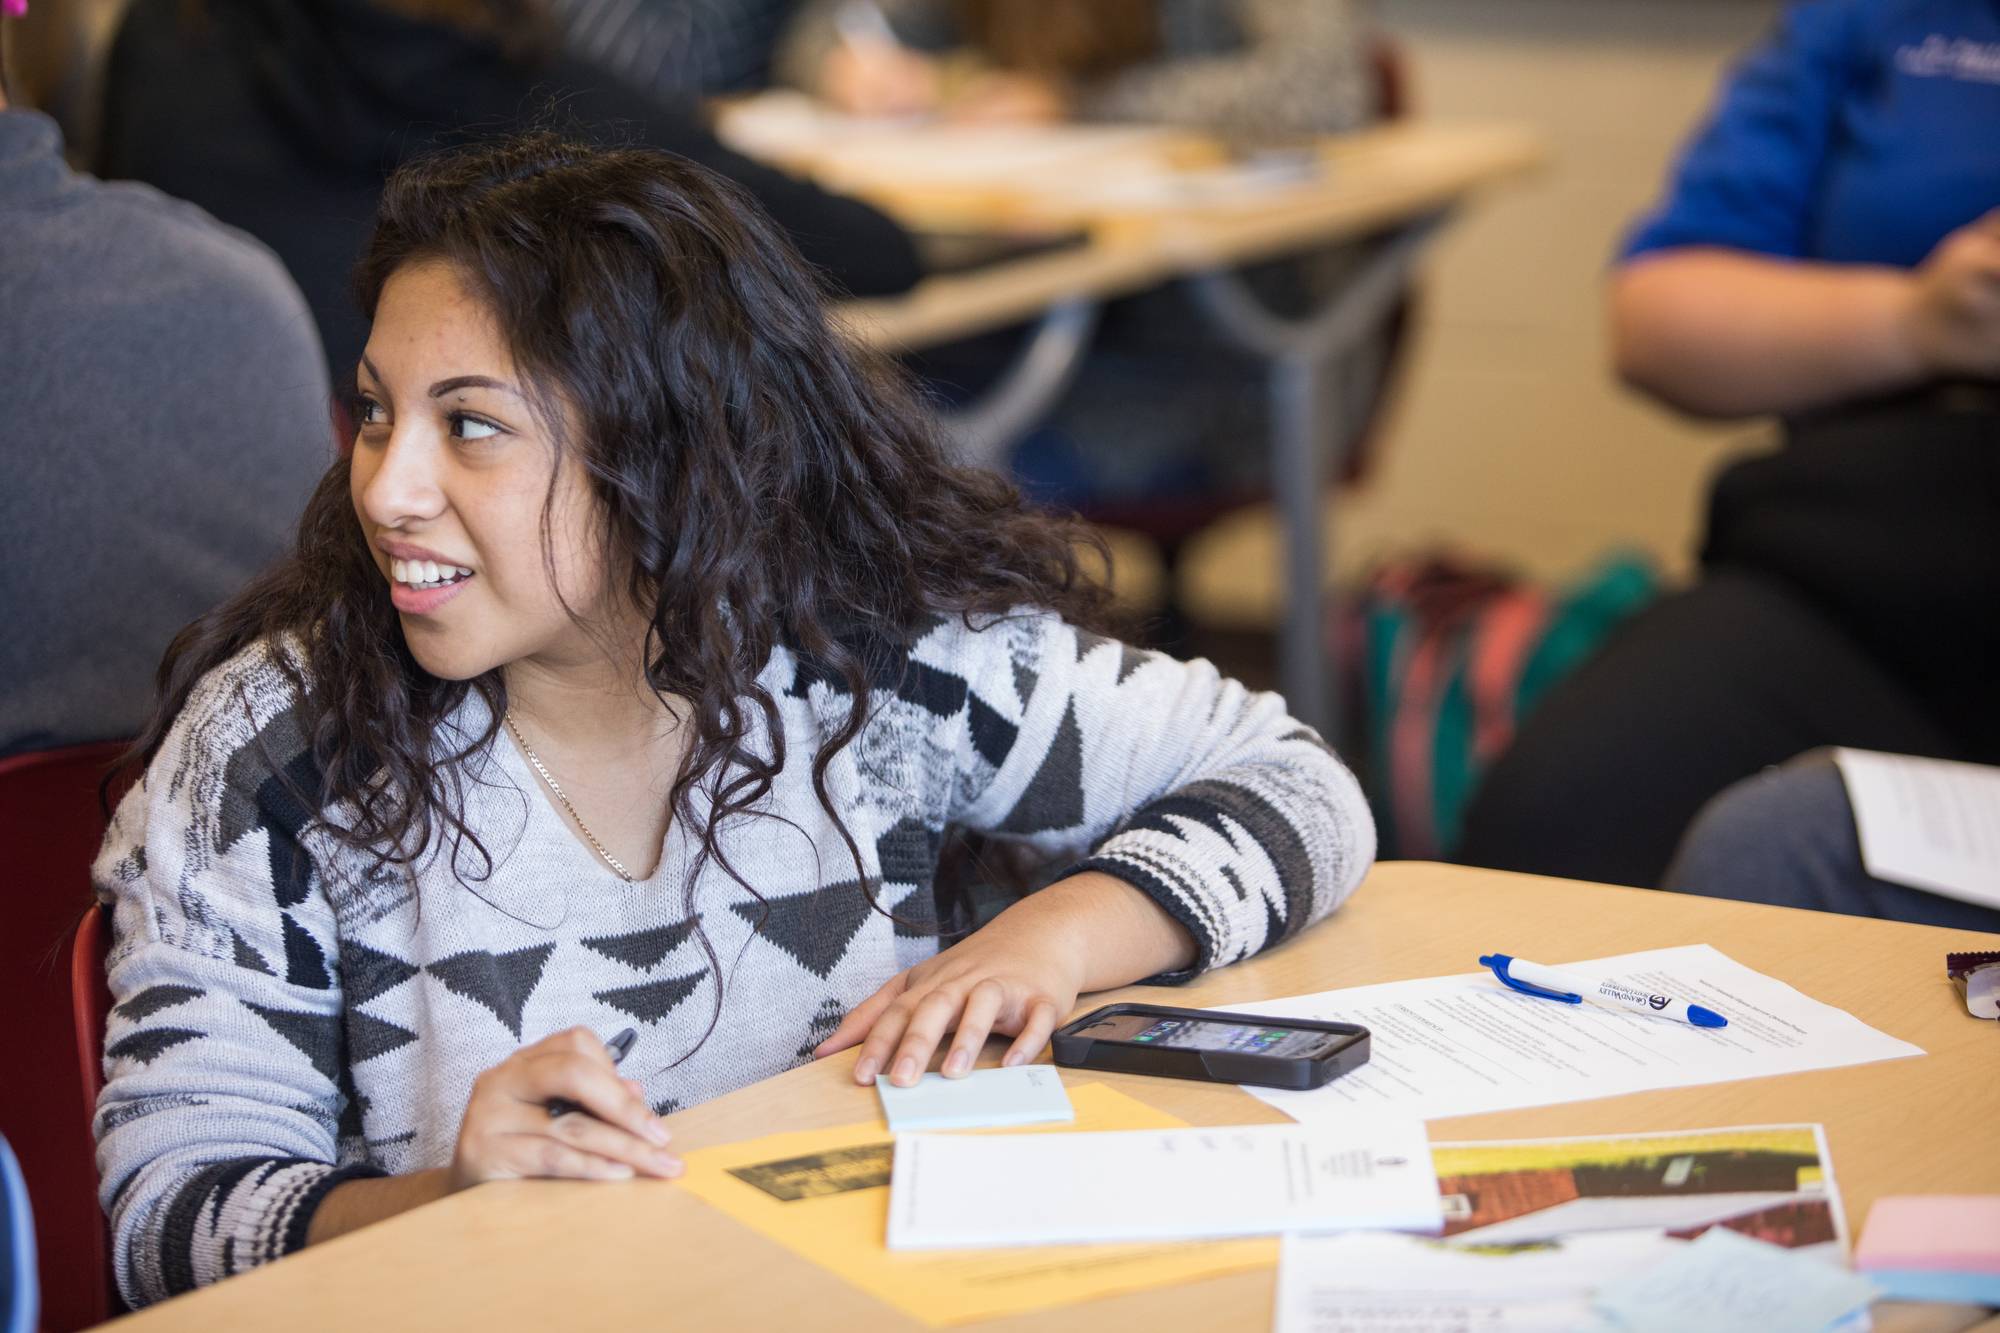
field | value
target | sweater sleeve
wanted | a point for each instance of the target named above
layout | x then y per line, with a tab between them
1210	798
217	1131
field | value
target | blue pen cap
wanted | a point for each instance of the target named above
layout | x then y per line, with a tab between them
1706	1018
1500	962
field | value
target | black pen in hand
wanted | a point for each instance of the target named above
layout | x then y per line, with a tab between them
618	1047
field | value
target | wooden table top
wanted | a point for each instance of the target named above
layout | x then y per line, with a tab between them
1371	180
542	1255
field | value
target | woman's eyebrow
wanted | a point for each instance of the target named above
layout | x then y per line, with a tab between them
445	386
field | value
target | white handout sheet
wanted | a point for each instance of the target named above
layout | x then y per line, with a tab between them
1460	1045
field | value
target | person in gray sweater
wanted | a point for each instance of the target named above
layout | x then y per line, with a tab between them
635	670
167	413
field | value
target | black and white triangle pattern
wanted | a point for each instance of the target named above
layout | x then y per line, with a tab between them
500	982
814	927
643	949
651	1001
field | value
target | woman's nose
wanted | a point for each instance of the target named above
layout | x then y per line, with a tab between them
405	487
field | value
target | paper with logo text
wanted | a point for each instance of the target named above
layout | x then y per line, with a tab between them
1460	1045
958	1191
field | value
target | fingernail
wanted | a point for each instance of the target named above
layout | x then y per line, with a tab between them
957	1063
906	1071
1013	1058
864	1071
666	1163
657	1132
617	1171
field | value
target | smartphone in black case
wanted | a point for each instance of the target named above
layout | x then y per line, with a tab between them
1294	1053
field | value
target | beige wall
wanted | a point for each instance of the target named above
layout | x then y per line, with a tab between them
1511	440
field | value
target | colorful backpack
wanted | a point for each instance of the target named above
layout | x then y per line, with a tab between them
1448	658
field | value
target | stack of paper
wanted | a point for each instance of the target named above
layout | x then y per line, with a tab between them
1594	1234
824	1194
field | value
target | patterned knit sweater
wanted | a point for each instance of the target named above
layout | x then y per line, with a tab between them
288	1018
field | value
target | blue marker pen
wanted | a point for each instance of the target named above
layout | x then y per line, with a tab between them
1534	979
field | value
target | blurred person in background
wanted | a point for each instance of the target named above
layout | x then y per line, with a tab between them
1828	251
149	352
1164	410
284	117
1252	68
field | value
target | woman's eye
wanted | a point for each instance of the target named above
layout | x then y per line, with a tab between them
472	428
368	412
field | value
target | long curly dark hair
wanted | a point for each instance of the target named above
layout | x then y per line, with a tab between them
764	482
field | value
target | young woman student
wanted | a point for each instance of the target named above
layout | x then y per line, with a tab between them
629	672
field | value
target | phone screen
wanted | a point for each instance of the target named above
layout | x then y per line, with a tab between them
1211	1034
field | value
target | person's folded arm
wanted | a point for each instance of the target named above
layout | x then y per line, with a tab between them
1191	822
1726	333
1722	333
1235	820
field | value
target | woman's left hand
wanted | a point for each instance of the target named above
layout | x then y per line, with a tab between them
1014	977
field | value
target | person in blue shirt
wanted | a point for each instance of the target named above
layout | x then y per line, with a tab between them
1828	252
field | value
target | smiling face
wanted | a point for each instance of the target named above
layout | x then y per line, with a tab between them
450	474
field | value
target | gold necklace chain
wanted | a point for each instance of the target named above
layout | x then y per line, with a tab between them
556	787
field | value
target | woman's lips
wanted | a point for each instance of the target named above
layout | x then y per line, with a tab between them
425	601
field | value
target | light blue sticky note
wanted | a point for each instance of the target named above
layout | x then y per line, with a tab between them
1727	1283
1022	1095
1912	1284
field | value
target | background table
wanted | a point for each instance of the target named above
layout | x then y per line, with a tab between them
1396	184
548	1255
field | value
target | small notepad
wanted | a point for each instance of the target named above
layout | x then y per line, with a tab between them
1934	1247
1022	1095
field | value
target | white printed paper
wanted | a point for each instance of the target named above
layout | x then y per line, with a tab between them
953	1190
1929	823
1460	1045
1371	1282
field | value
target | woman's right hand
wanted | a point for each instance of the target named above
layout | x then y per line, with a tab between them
1954	313
508	1133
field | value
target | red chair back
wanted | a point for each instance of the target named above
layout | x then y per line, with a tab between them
51	823
90	998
